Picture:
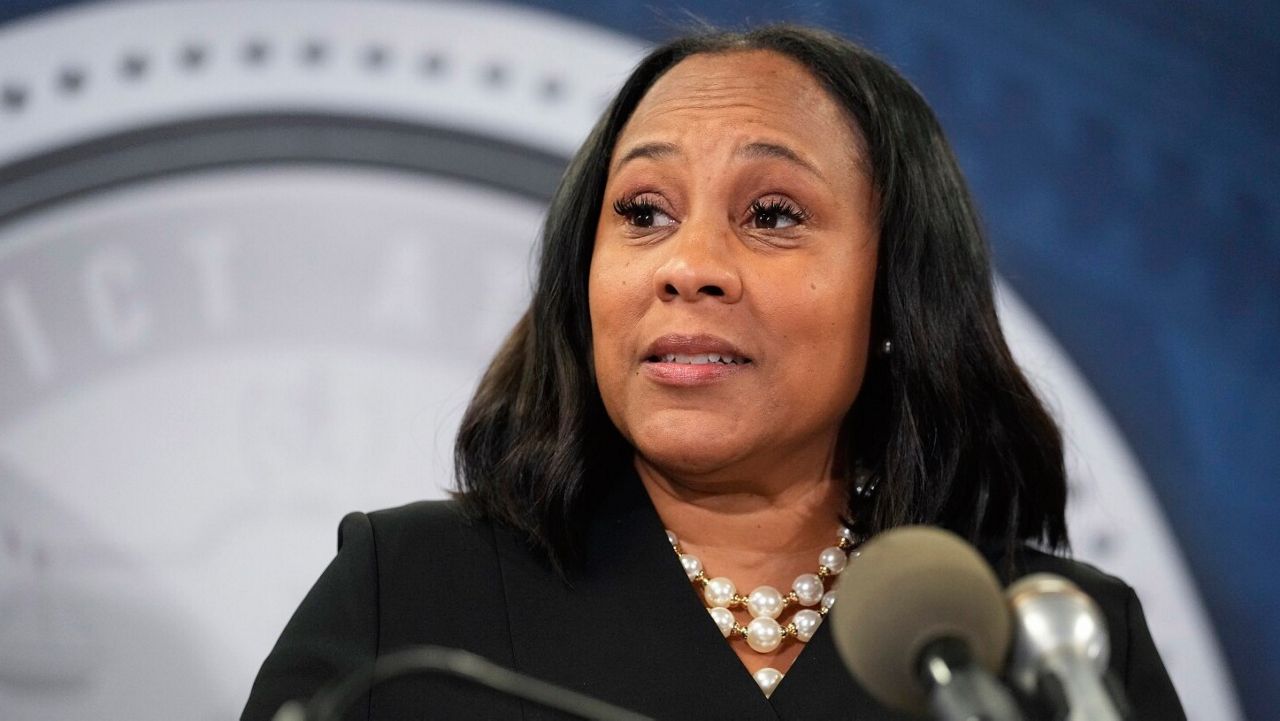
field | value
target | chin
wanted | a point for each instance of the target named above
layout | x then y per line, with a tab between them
687	452
686	465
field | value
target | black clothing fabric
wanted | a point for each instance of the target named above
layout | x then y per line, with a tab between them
626	627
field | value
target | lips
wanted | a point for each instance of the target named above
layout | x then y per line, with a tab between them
695	350
699	359
693	360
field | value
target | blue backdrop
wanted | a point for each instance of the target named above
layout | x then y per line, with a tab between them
1126	155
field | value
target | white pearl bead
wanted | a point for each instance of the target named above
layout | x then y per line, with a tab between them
671	538
692	566
806	623
808	589
828	600
833	558
847	534
767	678
764	634
723	618
765	601
719	591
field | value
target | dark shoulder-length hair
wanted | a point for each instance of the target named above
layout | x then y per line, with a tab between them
945	429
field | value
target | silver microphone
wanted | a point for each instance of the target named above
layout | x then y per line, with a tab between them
1060	638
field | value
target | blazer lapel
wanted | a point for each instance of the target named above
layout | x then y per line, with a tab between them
627	628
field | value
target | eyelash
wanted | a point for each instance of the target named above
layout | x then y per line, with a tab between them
633	206
778	206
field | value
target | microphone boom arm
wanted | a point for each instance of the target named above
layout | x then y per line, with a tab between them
330	703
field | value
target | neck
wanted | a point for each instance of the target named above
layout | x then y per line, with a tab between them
766	519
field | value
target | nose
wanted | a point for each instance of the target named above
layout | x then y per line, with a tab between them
700	265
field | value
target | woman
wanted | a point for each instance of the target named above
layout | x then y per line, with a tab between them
763	323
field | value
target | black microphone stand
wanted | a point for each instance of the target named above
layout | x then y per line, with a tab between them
961	690
330	703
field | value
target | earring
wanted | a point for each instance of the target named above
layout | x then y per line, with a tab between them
886	347
866	488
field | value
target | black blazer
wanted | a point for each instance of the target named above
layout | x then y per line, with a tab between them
627	628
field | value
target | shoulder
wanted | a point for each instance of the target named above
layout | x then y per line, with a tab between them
438	576
1114	597
415	575
1110	592
430	536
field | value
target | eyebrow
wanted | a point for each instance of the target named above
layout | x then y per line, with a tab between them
781	152
652	151
660	150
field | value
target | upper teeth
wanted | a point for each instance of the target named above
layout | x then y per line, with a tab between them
702	358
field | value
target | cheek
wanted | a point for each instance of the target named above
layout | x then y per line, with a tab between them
828	325
615	299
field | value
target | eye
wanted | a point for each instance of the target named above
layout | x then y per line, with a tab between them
776	214
642	212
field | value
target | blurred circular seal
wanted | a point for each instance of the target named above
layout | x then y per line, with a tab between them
253	256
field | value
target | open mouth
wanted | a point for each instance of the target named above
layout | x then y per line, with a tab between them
699	359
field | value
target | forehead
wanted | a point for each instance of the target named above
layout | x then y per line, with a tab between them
754	94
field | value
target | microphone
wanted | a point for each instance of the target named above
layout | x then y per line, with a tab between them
1061	650
921	623
330	703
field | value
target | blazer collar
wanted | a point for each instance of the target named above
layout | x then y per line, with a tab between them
628	628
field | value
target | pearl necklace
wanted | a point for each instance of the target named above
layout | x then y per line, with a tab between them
765	604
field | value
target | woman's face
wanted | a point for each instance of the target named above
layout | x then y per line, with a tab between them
738	221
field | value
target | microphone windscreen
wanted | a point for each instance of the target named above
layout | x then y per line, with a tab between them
909	587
